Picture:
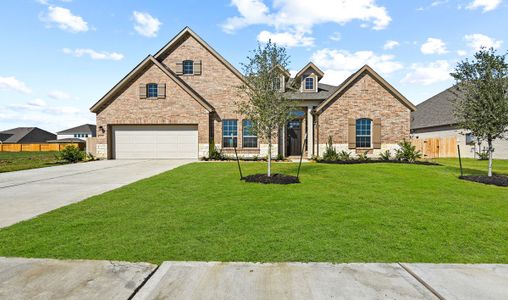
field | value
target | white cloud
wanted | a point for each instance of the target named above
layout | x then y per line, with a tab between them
64	19
486	5
478	40
461	52
145	24
11	83
59	95
37	103
103	55
286	39
390	44
433	46
339	64
336	36
299	16
427	74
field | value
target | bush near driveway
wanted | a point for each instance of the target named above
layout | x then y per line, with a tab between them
339	213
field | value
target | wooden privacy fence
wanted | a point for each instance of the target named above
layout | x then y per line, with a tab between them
436	147
37	147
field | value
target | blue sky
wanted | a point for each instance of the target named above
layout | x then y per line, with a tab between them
58	57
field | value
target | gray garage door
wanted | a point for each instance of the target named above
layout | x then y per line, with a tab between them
155	142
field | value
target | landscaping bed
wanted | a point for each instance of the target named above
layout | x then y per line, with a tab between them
274	179
372	161
493	180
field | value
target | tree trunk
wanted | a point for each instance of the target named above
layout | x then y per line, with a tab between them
269	156
490	156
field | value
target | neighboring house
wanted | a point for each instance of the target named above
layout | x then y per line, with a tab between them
434	118
178	101
79	132
25	135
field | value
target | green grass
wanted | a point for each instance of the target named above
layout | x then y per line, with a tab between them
15	161
339	213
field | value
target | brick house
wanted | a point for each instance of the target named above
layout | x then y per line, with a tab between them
178	101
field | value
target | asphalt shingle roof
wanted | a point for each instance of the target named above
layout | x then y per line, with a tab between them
85	128
324	91
25	135
435	111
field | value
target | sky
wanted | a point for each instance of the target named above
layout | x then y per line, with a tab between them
58	57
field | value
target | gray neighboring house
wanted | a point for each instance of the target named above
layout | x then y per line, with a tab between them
26	135
79	132
434	118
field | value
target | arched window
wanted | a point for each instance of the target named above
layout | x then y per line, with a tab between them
363	133
151	90
188	67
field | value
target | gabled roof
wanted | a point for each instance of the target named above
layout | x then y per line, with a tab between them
79	129
25	135
346	83
282	70
189	32
310	65
138	69
435	111
324	91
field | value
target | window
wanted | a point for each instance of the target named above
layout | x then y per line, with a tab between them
229	133
151	90
470	139
363	133
249	139
188	67
309	83
276	84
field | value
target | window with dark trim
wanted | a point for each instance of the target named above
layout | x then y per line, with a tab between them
151	90
229	133
188	67
309	83
249	138
363	133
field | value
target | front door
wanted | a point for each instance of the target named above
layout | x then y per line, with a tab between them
294	138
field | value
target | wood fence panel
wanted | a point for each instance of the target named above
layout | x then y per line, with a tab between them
38	147
11	147
436	147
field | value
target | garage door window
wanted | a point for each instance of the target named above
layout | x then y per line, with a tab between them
151	90
229	133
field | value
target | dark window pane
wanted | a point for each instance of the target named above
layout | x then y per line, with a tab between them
309	83
363	133
250	140
229	133
188	67
151	90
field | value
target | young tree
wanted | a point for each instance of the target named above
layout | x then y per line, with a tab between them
267	107
482	105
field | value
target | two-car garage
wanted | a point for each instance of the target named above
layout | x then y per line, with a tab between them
154	141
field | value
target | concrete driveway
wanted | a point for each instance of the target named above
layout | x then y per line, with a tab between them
26	194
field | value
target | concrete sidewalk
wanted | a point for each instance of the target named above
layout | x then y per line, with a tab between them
22	278
26	194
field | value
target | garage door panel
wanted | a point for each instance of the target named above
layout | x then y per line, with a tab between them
155	142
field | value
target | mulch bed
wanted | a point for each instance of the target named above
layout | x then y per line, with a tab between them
493	180
373	161
274	179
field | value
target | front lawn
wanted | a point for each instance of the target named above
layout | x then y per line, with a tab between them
15	161
339	213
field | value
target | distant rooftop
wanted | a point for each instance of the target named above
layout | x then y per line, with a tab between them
85	128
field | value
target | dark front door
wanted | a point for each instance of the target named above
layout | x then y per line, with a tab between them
294	138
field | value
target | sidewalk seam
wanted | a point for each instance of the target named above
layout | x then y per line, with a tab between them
421	281
136	290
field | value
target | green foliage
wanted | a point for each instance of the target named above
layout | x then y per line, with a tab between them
72	154
344	155
330	153
363	156
279	157
407	152
483	155
213	153
386	155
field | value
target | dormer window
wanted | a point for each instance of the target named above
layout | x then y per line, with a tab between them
277	86
309	83
188	67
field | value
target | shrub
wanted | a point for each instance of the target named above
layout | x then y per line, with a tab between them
330	153
344	155
215	154
71	154
279	157
363	156
483	155
385	155
407	152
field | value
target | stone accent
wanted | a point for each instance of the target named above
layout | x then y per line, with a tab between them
366	98
101	150
374	153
